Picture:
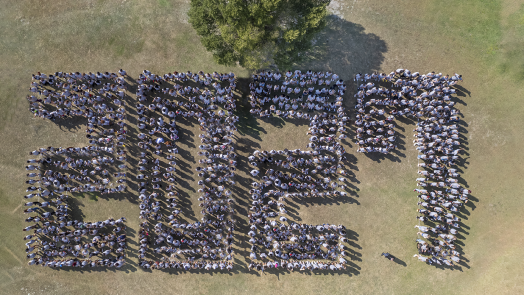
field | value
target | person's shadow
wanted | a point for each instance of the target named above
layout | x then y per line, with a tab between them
398	261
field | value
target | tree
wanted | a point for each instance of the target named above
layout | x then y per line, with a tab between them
258	33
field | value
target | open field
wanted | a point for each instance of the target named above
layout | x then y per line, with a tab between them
482	40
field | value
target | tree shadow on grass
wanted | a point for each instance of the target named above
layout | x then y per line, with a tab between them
345	48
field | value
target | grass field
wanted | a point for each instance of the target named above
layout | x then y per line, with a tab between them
480	39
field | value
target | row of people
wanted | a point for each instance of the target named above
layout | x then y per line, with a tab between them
419	96
293	265
297	94
441	196
187	265
58	239
164	231
212	93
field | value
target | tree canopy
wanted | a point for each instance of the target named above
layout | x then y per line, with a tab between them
258	33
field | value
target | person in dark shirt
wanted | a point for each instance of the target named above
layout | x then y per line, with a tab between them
388	256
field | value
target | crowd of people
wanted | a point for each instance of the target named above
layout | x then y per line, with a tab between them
84	169
296	94
427	99
210	94
98	97
306	173
166	239
412	95
174	242
275	240
317	171
57	240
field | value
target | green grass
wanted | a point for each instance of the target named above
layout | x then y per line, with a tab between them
511	58
90	196
482	40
